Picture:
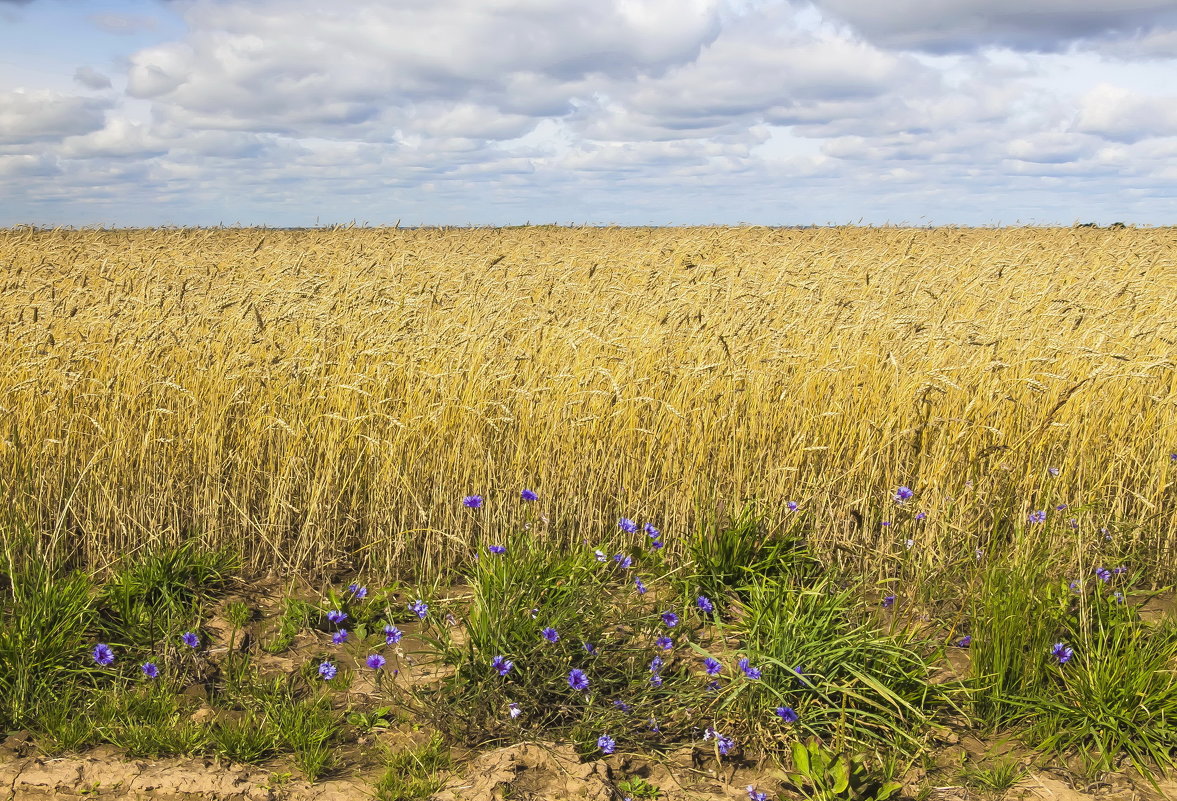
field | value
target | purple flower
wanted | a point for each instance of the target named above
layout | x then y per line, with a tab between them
624	707
1054	471
472	501
1060	507
1103	574
150	670
190	639
392	635
655	680
713	666
358	592
1119	596
641	588
787	714
713	686
375	661
419	608
888	601
886	522
327	670
502	665
606	743
1119	570
498	550
102	654
577	680
513	708
528	495
705	604
670	619
1062	652
753	795
550	634
749	671
722	742
590	648
965	641
1173	457
664	642
655	663
920	516
625	561
336	616
601	556
902	494
657	544
651	532
339	637
1038	517
627	525
791	506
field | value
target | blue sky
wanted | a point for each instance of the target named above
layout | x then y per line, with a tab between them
632	112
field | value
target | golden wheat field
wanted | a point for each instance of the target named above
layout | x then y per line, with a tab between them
322	397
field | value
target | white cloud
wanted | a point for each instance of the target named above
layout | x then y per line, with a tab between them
1122	115
91	78
41	116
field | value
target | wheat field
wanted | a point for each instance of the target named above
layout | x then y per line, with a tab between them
326	397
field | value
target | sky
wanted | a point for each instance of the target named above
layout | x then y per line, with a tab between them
292	113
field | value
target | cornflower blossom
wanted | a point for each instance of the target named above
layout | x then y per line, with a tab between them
656	679
339	637
1173	457
1060	507
392	635
150	670
601	556
705	604
513	708
472	501
753	795
528	495
965	641
664	642
1119	596
920	516
1119	570
625	561
327	671
722	741
787	714
375	661
550	634
627	525
886	522
641	588
1054	471
670	619
1062	652
497	550
903	494
748	670
606	743
102	654
190	639
590	648
888	601
792	506
713	686
1103	574
419	608
502	665
655	663
657	544
624	707
713	666
651	532
336	616
577	680
1038	517
357	591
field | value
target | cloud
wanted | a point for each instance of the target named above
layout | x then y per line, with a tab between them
947	26
91	78
43	116
123	24
1125	116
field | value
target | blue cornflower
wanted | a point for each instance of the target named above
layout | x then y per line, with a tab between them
965	641
902	494
358	592
920	516
339	637
787	714
753	795
624	707
606	743
600	556
651	532
1062	652
1054	471
375	661
498	550
888	601
886	522
550	634
1103	574
713	686
1173	457
502	665
102	654
577	680
392	635
1119	570
664	642
625	561
705	604
513	707
722	742
655	680
150	670
749	671
670	619
655	663
792	506
1038	517
641	588
419	608
590	648
657	544
713	666
528	495
472	501
190	639
336	616
627	525
1060	507
327	670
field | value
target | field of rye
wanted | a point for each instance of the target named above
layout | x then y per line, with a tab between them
775	495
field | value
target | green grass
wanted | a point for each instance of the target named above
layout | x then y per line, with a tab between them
413	773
